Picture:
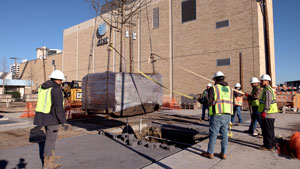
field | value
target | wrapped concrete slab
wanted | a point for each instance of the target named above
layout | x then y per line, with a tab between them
123	94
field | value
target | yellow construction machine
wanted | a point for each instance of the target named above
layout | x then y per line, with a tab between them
73	92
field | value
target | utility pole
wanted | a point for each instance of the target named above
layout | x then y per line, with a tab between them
171	48
15	75
44	65
3	77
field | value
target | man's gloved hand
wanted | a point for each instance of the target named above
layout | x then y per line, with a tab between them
263	115
246	94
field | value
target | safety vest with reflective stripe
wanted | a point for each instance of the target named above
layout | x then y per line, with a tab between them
256	101
223	100
238	101
262	101
44	101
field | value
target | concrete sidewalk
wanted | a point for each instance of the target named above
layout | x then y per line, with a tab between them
242	151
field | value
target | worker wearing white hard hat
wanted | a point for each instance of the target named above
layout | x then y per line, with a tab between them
220	102
267	108
203	100
50	114
57	74
238	103
253	100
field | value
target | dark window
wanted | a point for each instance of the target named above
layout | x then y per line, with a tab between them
188	10
223	62
155	17
222	24
53	62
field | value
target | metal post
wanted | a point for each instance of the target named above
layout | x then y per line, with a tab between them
241	70
171	48
139	41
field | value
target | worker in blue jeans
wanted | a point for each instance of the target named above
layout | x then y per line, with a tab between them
220	100
238	103
254	103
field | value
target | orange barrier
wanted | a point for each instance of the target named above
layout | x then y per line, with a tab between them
294	144
169	103
30	110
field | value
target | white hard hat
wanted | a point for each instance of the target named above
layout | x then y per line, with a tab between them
209	85
218	74
254	80
237	85
57	74
265	77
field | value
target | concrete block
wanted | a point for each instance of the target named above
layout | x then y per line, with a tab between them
171	148
156	145
163	146
131	136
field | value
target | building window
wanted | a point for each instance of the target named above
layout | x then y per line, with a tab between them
223	62
155	18
188	10
222	24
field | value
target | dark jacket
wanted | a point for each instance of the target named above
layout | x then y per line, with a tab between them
57	112
211	94
203	98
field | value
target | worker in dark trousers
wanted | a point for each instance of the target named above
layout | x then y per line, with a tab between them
238	103
203	101
220	100
267	107
50	114
253	99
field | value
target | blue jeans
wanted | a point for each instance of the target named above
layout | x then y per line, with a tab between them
237	110
204	108
255	117
218	124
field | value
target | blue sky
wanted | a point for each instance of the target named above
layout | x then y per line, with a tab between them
29	24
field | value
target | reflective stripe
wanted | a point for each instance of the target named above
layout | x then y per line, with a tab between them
218	98
45	104
223	101
231	98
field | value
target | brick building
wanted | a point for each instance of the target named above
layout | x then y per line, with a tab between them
202	36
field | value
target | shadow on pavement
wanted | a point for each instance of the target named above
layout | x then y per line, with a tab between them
96	123
244	143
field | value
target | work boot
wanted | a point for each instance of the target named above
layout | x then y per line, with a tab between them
207	155
223	156
49	163
55	158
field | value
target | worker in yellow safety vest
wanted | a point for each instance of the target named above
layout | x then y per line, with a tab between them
220	102
267	107
50	114
253	99
238	103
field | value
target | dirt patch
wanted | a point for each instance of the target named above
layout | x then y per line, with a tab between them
19	137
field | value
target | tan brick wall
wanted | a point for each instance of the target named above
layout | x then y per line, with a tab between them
34	70
197	44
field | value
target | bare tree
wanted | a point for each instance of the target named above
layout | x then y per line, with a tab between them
118	14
